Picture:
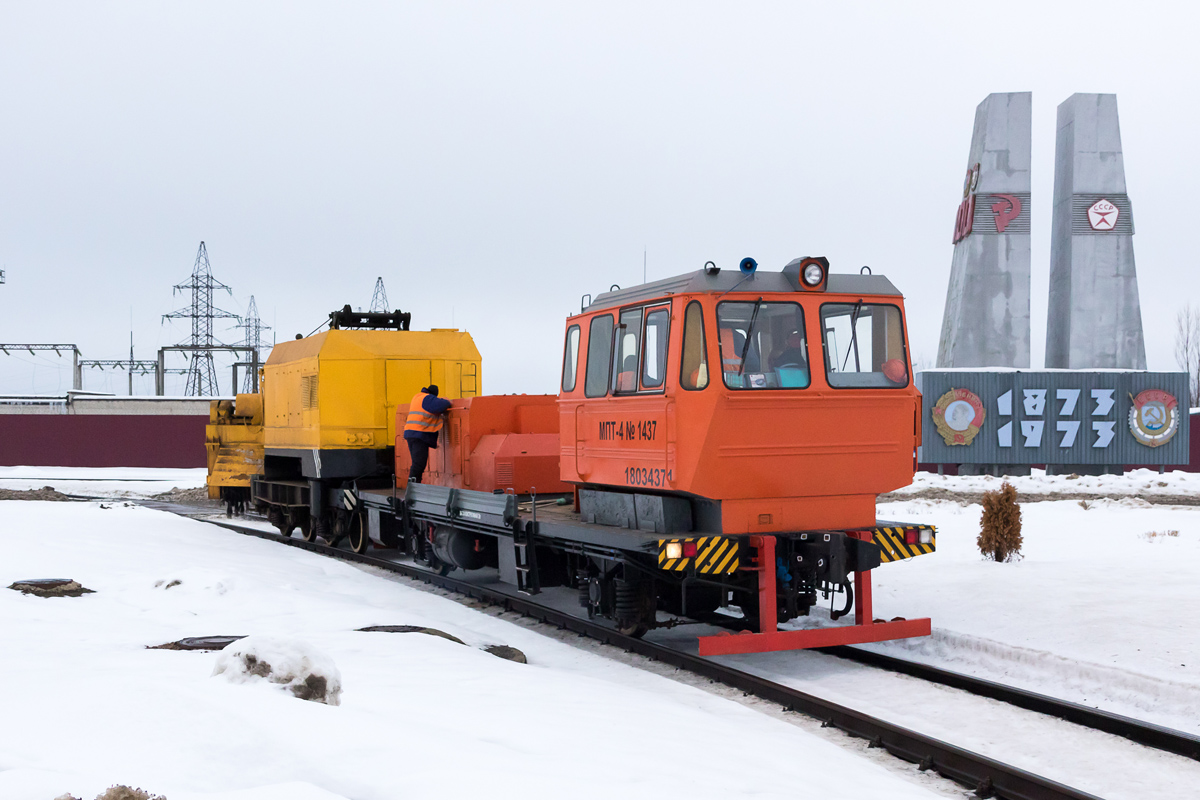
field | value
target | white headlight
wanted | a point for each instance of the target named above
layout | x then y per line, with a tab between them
674	549
926	536
813	274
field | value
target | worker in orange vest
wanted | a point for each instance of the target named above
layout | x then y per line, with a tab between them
426	413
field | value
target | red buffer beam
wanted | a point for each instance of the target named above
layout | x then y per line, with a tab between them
771	639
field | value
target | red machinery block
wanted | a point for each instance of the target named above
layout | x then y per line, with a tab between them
501	442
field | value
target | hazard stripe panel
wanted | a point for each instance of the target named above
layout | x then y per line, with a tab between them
894	547
715	555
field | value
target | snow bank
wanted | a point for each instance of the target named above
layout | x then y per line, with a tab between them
1134	483
297	666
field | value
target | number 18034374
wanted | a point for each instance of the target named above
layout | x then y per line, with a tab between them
647	476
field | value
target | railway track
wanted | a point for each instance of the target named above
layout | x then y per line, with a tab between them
1145	733
986	776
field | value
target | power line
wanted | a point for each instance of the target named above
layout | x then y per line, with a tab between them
58	350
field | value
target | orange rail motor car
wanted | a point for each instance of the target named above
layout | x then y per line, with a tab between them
724	436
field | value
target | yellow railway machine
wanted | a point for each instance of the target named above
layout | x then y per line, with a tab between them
234	445
329	413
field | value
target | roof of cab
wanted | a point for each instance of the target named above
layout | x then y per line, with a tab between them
727	280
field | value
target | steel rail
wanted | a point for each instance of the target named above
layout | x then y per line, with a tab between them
988	777
1145	733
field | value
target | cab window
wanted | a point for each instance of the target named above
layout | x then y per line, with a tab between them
864	345
599	353
654	348
693	371
570	359
762	345
627	347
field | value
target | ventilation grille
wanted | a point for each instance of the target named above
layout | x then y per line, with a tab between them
987	220
308	392
504	473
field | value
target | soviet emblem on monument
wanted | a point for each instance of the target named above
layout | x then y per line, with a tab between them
1006	209
1154	418
958	415
1102	216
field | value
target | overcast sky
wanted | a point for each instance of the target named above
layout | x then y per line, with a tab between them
493	162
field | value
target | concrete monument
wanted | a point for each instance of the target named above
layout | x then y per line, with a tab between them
986	323
1095	317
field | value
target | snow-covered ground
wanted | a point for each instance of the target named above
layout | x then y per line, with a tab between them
86	705
102	481
1096	611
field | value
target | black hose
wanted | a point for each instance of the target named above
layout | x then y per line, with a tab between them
849	603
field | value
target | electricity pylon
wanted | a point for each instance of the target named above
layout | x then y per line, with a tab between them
202	373
253	327
379	301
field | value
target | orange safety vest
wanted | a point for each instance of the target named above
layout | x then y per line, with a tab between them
421	420
731	360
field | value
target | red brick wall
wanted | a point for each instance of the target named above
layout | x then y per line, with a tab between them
102	440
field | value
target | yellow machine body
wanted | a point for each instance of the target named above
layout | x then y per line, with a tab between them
233	442
338	390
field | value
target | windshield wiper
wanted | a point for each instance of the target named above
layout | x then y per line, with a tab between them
853	338
749	334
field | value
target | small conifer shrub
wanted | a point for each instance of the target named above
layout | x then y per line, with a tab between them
1000	527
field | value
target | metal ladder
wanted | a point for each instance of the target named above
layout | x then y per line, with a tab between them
525	553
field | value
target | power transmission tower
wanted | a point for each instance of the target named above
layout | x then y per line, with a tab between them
379	301
253	327
202	373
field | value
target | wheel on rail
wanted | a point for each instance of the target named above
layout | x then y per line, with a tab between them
634	608
636	630
359	540
336	529
283	521
308	529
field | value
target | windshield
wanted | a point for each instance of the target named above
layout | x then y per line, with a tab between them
762	345
864	345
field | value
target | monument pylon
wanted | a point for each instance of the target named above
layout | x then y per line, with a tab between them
986	322
1095	316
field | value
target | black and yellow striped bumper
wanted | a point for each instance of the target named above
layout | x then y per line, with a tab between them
893	547
715	555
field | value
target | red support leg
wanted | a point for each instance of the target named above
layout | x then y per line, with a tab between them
768	602
863	613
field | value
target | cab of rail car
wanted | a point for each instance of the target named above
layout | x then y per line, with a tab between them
776	401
